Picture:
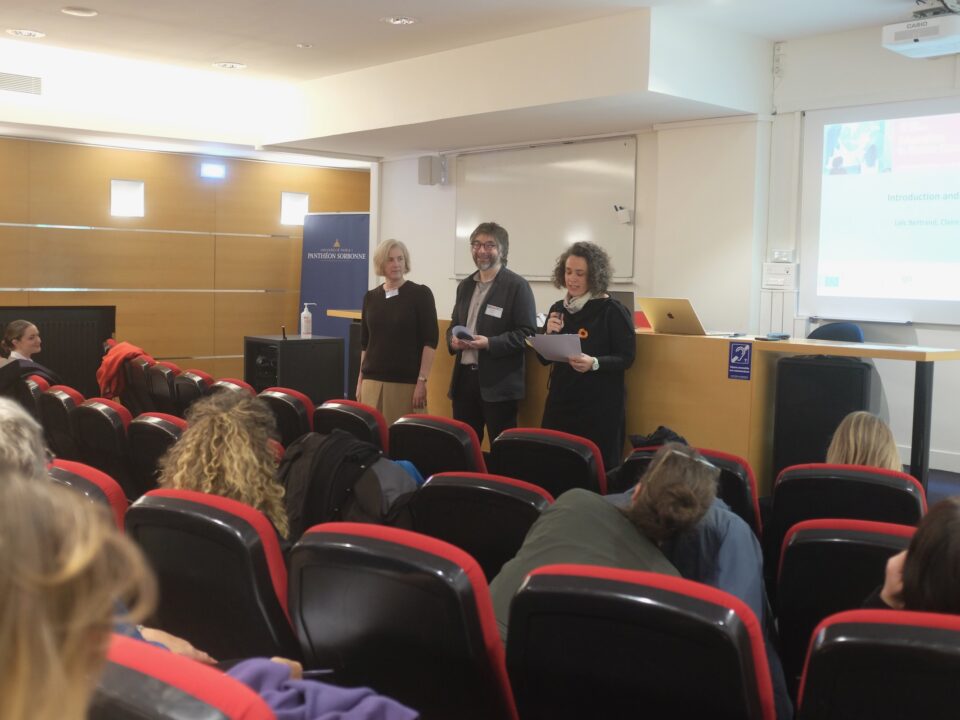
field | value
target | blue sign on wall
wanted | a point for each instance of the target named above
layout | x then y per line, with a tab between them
738	367
334	270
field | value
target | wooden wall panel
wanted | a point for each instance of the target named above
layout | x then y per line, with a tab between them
14	257
228	367
213	235
70	185
120	259
265	263
253	205
13	299
165	325
241	314
14	191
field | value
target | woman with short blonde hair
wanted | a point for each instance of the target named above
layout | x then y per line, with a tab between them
64	570
225	451
862	438
398	337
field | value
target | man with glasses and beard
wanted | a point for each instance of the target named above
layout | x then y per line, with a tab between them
497	308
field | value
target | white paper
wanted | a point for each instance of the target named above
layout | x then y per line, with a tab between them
458	330
558	347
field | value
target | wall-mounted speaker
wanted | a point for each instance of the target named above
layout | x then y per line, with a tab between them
432	170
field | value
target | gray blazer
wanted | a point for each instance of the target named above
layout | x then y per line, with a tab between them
501	365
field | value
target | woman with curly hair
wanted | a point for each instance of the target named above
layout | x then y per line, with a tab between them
64	571
225	451
586	395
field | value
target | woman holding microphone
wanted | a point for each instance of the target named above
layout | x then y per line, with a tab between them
398	337
586	395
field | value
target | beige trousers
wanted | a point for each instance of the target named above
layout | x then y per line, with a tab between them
393	400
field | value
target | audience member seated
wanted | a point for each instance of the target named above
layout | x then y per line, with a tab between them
925	576
64	569
225	451
67	552
862	438
22	447
582	528
20	342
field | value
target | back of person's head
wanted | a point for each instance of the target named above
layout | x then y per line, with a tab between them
674	493
931	571
225	451
862	438
14	330
64	571
22	447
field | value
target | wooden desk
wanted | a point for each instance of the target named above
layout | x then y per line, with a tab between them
681	381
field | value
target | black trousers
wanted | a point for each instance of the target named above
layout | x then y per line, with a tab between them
471	408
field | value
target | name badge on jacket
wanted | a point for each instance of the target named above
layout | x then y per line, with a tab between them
494	311
392	293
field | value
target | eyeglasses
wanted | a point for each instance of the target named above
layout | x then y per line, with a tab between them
488	246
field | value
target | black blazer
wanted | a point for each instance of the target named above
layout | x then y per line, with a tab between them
501	365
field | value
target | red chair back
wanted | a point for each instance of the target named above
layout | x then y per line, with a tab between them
144	681
404	613
223	581
436	444
554	460
97	486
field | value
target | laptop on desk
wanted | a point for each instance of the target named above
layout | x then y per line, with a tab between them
671	315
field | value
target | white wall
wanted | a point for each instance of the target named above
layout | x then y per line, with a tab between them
711	218
424	217
699	228
850	69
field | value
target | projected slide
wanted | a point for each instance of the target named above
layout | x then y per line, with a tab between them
890	209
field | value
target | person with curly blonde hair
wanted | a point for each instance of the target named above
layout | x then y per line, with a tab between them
225	451
64	571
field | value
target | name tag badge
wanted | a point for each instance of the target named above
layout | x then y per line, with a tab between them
392	293
494	311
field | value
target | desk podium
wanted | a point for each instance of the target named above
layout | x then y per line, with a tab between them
682	381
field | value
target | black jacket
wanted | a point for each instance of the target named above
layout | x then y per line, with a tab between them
501	365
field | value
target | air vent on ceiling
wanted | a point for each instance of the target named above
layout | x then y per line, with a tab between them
20	83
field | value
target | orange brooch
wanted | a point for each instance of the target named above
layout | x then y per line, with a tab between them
582	332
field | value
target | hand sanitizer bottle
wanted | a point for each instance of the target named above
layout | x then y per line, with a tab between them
306	321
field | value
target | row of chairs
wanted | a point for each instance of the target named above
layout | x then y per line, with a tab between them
411	617
826	565
103	433
486	515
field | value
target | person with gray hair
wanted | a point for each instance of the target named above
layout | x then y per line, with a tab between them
23	449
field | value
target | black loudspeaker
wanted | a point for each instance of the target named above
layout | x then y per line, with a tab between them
813	395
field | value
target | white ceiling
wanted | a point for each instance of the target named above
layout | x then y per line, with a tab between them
348	34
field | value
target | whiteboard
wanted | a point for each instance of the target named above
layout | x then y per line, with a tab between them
548	197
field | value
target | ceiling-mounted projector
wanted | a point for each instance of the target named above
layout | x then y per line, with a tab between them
924	37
